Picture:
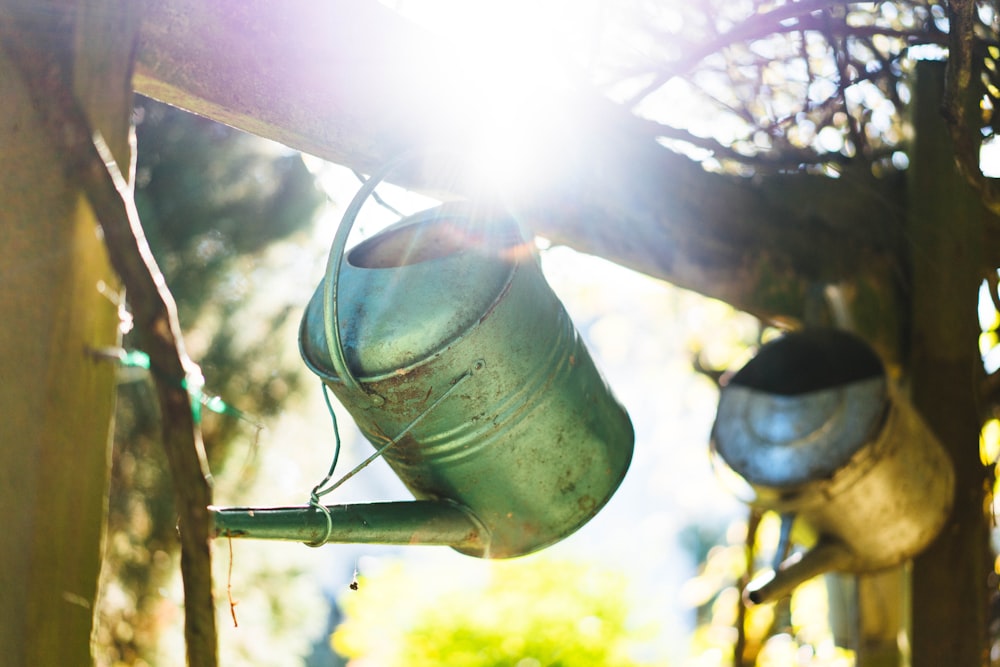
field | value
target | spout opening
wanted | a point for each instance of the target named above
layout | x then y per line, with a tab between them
754	597
827	556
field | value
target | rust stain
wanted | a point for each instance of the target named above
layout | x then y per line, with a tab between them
407	451
377	431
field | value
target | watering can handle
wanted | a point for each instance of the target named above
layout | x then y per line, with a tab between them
331	320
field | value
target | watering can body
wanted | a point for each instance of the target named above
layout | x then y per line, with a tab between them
816	429
457	341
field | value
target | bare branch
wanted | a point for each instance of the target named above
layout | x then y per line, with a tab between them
784	159
789	18
961	99
840	58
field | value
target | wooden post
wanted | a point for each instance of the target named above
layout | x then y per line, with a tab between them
57	400
945	230
57	294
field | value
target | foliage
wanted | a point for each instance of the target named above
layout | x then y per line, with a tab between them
212	199
523	613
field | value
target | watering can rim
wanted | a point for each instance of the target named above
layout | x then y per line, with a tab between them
462	208
809	493
804	395
466	209
843	471
862	361
330	283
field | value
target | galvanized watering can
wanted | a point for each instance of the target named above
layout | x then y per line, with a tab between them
444	342
816	430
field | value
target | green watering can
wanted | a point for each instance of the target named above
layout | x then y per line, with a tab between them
443	340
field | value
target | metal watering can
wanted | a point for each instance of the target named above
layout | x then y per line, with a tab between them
459	364
816	430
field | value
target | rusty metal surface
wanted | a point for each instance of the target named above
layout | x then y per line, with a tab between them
840	448
533	442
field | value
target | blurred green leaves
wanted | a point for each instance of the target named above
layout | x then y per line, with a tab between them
209	195
523	613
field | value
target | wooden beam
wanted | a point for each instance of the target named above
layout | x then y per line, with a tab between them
352	82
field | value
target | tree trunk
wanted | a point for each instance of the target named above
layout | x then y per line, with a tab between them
945	227
57	292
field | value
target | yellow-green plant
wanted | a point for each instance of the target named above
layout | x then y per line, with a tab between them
525	613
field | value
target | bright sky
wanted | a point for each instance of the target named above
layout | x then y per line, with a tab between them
512	62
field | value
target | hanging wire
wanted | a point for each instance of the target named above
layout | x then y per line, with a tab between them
336	446
335	346
317	491
194	384
378	198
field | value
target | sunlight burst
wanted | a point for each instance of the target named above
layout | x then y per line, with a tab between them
503	87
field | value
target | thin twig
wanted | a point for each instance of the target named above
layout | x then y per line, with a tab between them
841	58
756	26
740	653
790	158
229	583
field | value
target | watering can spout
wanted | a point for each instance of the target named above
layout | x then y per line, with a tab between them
427	522
826	556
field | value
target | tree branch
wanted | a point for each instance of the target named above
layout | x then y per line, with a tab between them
841	58
787	158
160	336
788	18
47	78
960	104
